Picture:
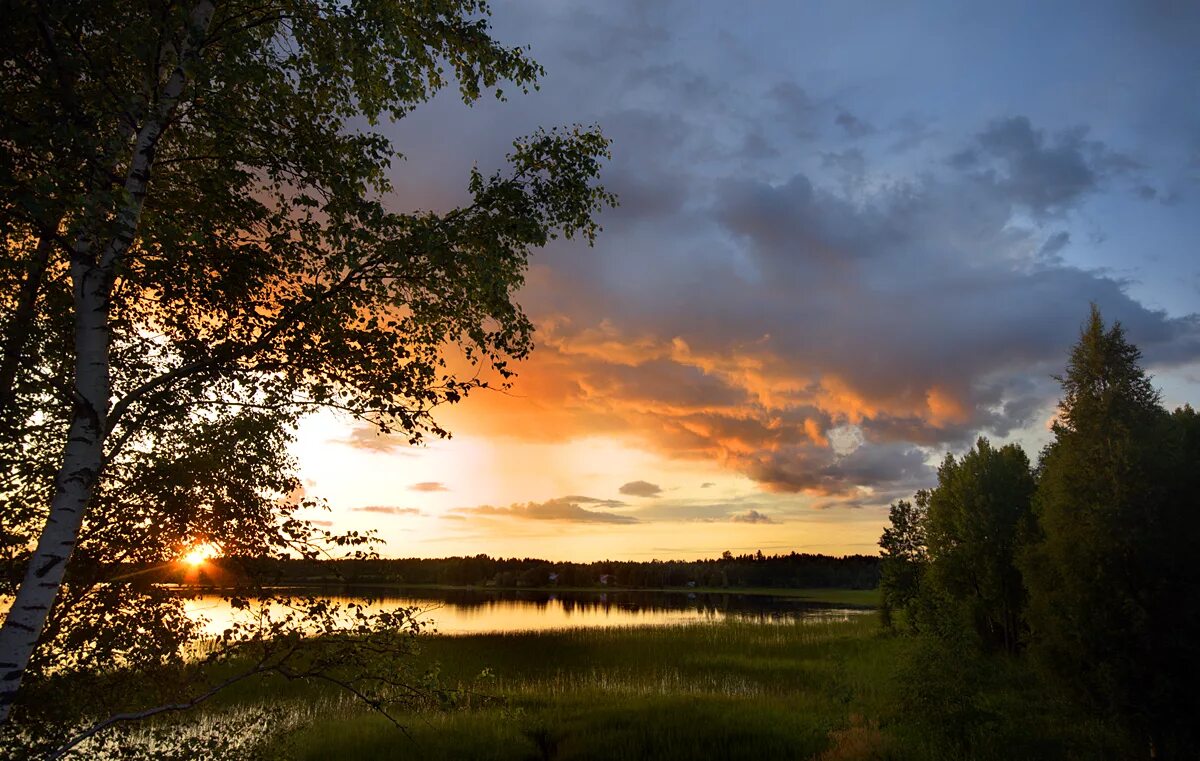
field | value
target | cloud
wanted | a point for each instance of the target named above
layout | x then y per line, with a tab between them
1048	175
428	486
641	489
852	125
795	108
751	516
387	510
593	501
1049	251
707	485
920	312
369	437
736	311
560	509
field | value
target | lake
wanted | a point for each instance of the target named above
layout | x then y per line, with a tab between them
477	611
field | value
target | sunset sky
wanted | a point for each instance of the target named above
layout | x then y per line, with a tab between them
852	237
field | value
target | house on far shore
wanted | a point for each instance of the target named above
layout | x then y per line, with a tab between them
552	578
607	578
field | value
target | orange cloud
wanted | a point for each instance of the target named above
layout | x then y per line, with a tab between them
744	407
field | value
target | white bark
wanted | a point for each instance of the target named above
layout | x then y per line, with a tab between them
92	276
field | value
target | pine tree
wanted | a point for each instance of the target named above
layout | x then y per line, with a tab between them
1107	572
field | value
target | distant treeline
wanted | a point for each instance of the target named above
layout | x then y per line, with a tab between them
794	570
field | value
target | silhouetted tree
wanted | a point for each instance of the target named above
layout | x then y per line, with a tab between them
197	251
904	556
977	514
1112	574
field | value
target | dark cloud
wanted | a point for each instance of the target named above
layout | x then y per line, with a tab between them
1046	175
387	510
641	489
707	484
561	509
805	468
756	146
1049	252
852	125
428	486
795	109
752	516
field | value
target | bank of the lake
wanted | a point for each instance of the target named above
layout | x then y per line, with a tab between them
816	690
866	598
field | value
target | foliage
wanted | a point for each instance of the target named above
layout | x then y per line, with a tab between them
297	639
904	557
977	515
1113	567
208	181
1089	559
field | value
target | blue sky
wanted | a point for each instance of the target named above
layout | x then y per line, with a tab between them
853	236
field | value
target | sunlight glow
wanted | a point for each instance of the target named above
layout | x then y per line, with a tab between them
199	554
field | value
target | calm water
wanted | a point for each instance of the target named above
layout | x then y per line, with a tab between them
480	611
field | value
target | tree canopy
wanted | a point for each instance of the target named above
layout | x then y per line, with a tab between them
1088	561
200	249
1113	560
978	514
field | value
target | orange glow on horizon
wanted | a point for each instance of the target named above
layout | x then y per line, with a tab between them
199	554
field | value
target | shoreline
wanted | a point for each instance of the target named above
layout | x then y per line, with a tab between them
863	598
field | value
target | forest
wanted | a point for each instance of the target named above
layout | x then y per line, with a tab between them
794	570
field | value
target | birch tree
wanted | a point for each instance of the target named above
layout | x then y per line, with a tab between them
198	244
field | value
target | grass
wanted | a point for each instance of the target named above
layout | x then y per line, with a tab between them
822	690
733	691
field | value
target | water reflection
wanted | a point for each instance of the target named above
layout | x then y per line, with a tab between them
469	611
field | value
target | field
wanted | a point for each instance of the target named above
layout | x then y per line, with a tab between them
830	690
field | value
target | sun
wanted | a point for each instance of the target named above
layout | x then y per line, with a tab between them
199	554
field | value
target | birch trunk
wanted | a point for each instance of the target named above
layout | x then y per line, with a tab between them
92	276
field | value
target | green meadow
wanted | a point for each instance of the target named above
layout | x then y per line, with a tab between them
813	690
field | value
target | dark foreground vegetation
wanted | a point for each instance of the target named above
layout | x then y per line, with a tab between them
828	691
1080	568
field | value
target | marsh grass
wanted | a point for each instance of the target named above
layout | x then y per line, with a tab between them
826	690
734	690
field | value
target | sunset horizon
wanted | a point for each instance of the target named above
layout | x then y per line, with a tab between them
830	267
590	381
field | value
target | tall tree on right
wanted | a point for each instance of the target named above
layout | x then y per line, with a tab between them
1111	570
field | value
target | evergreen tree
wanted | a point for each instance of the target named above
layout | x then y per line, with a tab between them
1111	570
